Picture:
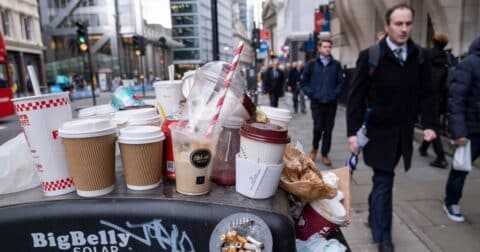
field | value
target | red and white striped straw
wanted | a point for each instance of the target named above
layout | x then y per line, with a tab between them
226	84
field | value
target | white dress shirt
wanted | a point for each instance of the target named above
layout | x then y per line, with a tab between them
393	46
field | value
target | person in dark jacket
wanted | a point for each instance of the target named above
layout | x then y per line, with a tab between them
274	83
323	81
293	85
396	90
464	122
440	64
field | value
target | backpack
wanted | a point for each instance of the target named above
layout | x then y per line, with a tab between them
451	65
374	58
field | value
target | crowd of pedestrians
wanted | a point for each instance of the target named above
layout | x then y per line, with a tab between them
404	85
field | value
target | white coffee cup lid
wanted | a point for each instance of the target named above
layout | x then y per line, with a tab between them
140	135
135	115
88	127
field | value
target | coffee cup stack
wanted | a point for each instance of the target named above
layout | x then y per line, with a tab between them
260	160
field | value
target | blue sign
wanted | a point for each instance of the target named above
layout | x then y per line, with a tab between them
263	46
310	45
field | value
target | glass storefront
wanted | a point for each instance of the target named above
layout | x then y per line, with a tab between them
186	55
191	31
183	8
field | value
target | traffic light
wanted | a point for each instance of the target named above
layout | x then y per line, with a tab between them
82	37
256	38
139	45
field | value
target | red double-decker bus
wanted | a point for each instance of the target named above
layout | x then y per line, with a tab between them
6	95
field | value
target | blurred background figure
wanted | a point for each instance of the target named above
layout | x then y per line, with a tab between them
274	83
293	85
441	61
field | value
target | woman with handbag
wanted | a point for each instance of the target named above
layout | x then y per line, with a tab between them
464	123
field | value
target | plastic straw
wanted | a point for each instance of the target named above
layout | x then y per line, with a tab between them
226	84
34	80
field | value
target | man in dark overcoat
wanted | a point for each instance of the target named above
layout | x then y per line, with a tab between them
274	83
396	89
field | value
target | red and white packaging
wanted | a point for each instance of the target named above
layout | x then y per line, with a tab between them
40	117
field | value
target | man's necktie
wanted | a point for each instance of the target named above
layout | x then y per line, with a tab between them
399	56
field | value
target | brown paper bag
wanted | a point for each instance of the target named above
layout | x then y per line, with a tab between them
344	185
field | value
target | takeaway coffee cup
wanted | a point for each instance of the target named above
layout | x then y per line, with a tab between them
136	117
256	180
142	154
263	142
193	154
169	95
105	110
90	148
320	216
41	116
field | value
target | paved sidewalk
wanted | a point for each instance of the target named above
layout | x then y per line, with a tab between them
419	222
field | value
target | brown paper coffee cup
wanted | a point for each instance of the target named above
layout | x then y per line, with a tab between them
142	164
92	163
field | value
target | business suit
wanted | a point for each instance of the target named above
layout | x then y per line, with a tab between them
274	84
396	94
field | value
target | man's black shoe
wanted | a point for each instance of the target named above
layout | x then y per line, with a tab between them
440	163
422	152
385	246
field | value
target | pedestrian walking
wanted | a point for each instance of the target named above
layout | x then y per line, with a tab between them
464	123
440	64
395	86
293	83
323	81
274	83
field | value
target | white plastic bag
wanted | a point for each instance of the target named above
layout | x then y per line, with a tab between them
462	159
17	172
317	243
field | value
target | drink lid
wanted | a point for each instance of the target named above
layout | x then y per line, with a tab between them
133	115
265	132
88	127
140	135
96	110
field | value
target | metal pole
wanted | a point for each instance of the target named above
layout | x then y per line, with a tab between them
216	51
142	74
90	67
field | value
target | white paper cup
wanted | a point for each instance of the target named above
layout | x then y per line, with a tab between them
263	143
169	94
40	117
256	181
281	117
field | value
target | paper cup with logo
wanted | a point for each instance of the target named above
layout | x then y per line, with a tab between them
256	180
142	154
263	142
90	147
193	154
40	117
169	94
320	216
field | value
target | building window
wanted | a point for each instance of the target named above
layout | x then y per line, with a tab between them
183	8
184	20
86	3
185	32
7	22
27	27
189	42
186	55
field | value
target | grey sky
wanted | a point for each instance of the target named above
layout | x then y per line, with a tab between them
157	12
